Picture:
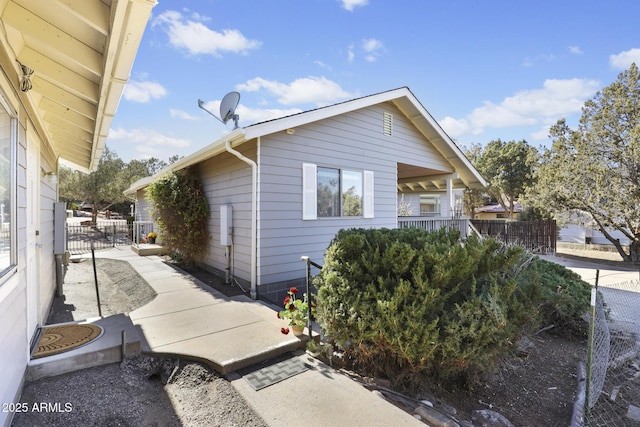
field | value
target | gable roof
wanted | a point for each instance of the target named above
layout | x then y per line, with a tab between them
402	98
81	54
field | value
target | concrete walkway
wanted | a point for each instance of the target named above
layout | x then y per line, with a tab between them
188	318
609	274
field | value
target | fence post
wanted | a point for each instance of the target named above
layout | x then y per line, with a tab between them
95	278
590	344
305	259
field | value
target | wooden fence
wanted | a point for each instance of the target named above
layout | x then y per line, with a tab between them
536	236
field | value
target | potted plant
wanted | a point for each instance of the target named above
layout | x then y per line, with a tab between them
151	237
296	310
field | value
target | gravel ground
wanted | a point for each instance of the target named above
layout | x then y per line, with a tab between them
141	391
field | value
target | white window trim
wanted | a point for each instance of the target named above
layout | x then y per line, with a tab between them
9	270
310	196
367	194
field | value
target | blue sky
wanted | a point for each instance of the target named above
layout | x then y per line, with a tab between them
484	69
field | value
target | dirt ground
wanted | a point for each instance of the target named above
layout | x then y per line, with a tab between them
535	387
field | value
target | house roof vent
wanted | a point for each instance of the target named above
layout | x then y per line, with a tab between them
387	124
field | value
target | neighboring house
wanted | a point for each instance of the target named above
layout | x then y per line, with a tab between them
289	185
496	212
64	66
580	228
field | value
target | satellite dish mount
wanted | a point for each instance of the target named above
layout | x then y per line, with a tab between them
228	107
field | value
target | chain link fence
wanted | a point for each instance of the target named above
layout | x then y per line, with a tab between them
613	365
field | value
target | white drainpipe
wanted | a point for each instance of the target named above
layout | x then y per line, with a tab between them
254	210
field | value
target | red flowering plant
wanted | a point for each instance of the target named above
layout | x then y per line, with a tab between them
296	310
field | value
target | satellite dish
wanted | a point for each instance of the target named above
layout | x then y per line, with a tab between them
228	107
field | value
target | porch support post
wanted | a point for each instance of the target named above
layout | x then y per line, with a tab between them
450	201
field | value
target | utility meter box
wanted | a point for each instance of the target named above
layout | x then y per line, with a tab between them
226	225
59	228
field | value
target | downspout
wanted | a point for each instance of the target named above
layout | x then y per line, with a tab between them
254	215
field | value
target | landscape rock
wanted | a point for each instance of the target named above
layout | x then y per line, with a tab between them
489	418
434	418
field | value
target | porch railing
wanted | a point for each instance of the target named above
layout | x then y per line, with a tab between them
434	224
141	229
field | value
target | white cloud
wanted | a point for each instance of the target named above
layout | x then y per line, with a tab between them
146	140
306	90
575	50
323	65
535	107
181	114
455	127
256	115
530	62
253	115
372	48
142	92
350	53
623	60
197	38
352	4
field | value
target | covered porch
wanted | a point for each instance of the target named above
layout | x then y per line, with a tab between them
431	199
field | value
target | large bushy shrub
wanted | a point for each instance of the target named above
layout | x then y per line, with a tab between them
409	305
182	212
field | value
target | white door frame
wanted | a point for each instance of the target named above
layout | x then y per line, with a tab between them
32	264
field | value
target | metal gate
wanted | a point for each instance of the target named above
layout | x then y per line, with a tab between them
103	235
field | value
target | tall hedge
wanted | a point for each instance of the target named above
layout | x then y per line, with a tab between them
410	305
182	212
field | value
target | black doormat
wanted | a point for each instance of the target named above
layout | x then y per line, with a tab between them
280	371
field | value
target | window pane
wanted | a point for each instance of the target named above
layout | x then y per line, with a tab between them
328	192
351	193
430	204
5	190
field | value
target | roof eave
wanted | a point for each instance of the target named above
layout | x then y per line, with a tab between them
128	22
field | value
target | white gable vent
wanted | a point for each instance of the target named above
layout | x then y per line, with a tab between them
387	124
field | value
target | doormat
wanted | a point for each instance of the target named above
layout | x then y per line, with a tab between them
61	338
275	373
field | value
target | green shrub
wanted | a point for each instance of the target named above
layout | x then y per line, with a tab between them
409	305
560	295
182	212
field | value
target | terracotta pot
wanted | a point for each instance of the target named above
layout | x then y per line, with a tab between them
298	330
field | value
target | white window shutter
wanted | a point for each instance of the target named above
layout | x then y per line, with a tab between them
367	203
309	191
